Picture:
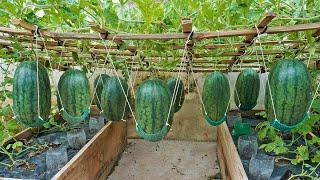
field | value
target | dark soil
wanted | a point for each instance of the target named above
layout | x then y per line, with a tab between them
36	167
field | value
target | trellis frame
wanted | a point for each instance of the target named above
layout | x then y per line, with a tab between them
57	38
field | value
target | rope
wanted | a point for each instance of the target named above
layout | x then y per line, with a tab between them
38	87
182	62
264	63
65	114
115	71
50	64
314	97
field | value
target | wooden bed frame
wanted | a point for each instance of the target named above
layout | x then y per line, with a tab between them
97	158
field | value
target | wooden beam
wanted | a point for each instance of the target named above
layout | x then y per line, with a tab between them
104	32
134	48
30	27
171	36
261	25
186	25
232	160
97	158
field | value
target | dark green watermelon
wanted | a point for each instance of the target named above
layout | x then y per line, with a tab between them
152	109
290	85
216	97
74	92
247	89
25	94
172	83
113	100
103	78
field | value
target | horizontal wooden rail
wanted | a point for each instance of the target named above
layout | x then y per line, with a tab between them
168	36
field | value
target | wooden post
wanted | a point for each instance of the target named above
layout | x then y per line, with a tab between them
262	26
187	29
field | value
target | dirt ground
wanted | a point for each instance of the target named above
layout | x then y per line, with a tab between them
168	159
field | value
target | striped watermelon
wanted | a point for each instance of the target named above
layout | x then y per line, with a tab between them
74	92
216	96
99	86
172	83
152	109
290	85
25	94
247	89
113	100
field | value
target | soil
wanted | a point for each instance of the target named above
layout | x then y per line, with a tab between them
167	159
36	167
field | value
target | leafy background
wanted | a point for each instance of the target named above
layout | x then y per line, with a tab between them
164	16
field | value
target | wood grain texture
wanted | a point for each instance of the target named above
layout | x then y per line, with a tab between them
232	160
222	164
168	36
96	159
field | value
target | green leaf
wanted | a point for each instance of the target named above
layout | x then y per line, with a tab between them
316	157
75	56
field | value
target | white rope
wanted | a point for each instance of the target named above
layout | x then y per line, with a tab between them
265	66
182	62
50	64
314	96
115	71
38	87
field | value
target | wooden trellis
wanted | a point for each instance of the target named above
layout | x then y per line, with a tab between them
64	43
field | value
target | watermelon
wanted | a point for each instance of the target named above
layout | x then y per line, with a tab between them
290	86
74	91
98	86
247	89
216	97
113	100
152	105
179	97
25	94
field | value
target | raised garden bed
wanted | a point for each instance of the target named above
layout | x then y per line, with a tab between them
93	161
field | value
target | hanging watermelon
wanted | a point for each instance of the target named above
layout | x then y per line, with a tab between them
172	83
152	109
216	97
290	86
113	100
74	91
25	94
99	86
247	89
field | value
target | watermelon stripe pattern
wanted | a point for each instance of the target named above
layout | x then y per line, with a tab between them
152	109
25	94
247	89
102	78
216	97
74	92
113	100
171	83
290	85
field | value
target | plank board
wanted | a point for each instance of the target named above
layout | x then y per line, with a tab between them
232	161
96	159
222	164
